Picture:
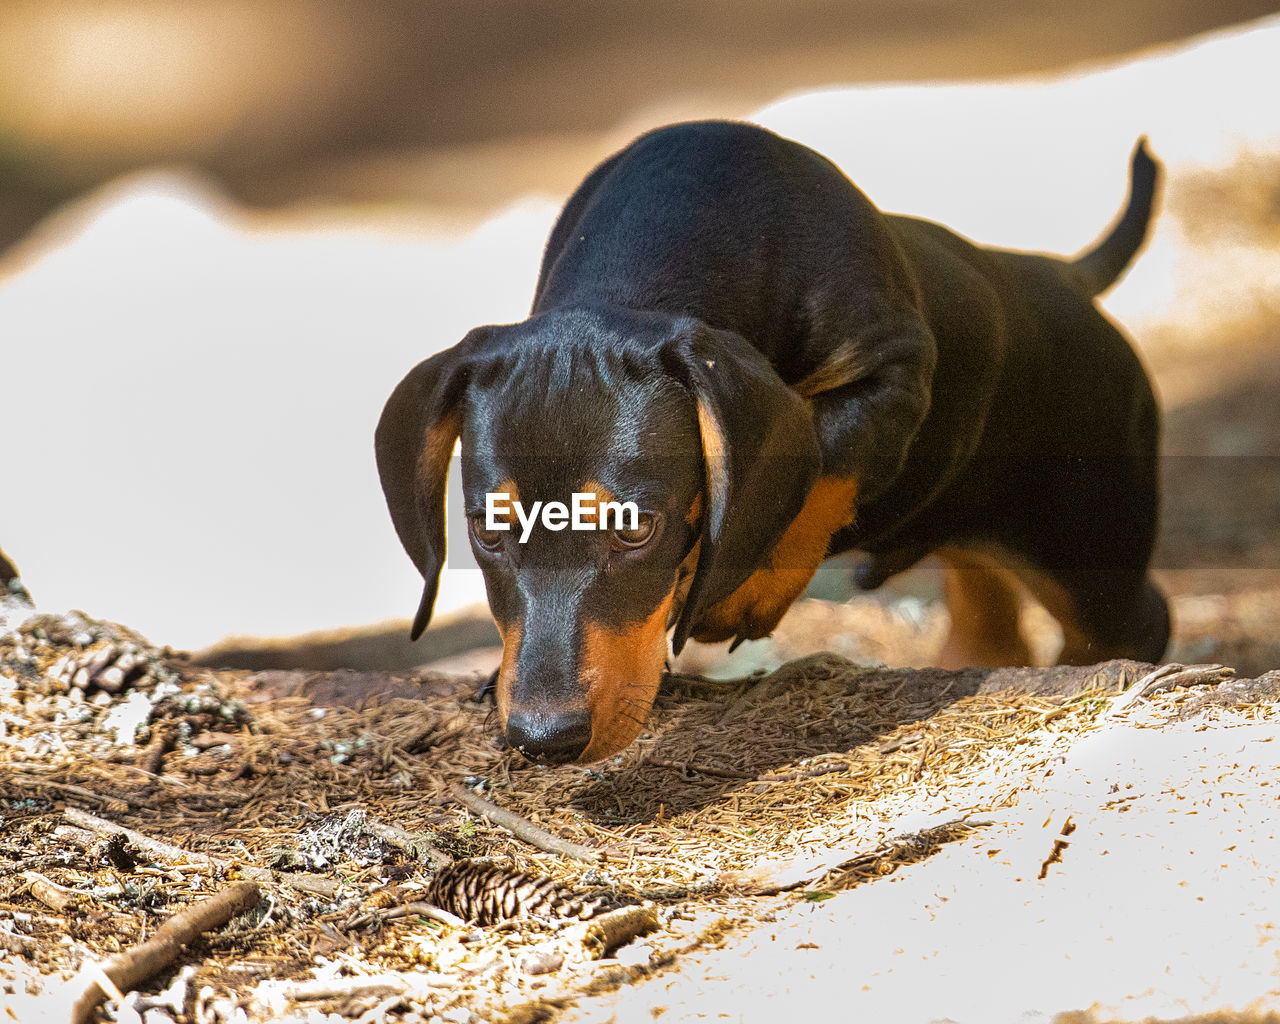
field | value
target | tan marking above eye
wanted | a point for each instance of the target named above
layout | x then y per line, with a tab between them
511	493
602	495
509	488
601	492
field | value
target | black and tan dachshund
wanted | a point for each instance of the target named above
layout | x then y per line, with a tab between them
727	333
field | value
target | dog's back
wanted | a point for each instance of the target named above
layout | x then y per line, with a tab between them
734	225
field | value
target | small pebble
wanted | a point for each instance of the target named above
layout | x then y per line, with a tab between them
541	961
112	679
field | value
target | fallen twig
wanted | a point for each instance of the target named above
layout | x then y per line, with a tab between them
1060	844
1166	677
699	769
81	837
607	932
166	851
19	944
36	863
163	739
136	964
366	985
417	845
419	909
51	894
802	773
522	828
777	875
30	782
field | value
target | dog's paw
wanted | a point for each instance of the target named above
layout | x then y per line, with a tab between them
488	690
753	610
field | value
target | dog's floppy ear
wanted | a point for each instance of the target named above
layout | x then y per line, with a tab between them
413	443
761	459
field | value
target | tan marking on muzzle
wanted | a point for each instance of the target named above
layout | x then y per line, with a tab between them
508	487
622	669
511	634
602	495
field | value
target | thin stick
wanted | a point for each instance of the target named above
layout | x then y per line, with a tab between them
417	845
66	789
19	944
51	894
699	769
163	740
168	852
374	985
803	773
522	828
1166	677
418	909
138	963
770	876
607	932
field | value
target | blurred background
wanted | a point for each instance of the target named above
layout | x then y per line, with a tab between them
228	227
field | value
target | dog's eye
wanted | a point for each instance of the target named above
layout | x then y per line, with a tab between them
621	539
490	540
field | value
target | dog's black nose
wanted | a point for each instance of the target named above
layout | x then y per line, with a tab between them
549	737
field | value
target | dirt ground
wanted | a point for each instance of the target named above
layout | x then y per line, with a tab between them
719	869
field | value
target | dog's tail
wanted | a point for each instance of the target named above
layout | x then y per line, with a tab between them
1098	269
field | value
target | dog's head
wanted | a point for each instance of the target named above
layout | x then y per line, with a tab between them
687	427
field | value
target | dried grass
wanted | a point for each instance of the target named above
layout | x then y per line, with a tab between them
823	772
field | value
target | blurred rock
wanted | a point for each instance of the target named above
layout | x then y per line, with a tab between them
265	93
11	585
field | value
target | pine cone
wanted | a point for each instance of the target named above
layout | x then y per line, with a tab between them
487	893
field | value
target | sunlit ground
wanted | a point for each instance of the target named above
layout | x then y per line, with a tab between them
1162	906
191	389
